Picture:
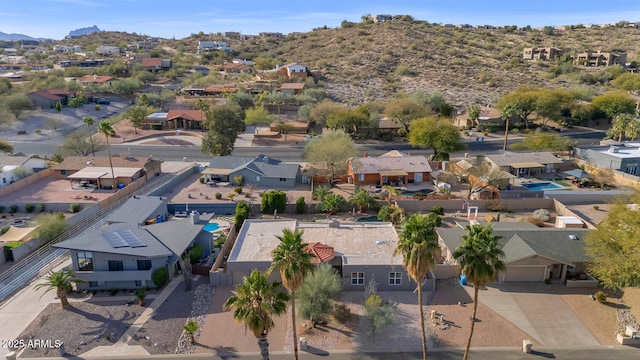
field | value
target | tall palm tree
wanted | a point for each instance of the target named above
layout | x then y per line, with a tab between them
62	281
391	193
418	246
361	199
106	129
506	113
255	302
89	121
293	261
480	259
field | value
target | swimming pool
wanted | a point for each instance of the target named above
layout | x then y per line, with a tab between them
369	219
547	185
211	227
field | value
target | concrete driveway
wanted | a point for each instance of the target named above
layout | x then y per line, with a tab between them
539	310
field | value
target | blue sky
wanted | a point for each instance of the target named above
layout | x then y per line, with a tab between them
55	18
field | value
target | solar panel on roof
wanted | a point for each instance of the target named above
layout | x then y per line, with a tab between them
115	240
131	238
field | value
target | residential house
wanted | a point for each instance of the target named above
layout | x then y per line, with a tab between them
623	157
598	58
359	252
531	254
125	255
205	46
9	165
95	79
237	68
243	61
156	63
488	116
156	121
64	48
275	35
292	70
541	53
261	171
292	88
381	18
524	164
97	170
194	90
48	98
185	119
392	168
220	89
107	50
87	63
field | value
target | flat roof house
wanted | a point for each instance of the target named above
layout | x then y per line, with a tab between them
623	157
394	167
359	252
524	163
98	171
262	171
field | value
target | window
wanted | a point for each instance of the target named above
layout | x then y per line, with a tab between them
357	278
85	261
139	283
257	177
395	278
63	172
93	284
144	264
631	169
116	265
283	179
360	177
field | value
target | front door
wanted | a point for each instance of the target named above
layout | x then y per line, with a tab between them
417	178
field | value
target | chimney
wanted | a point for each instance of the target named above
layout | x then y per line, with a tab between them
334	223
194	217
366	154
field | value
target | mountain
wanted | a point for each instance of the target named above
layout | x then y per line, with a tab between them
83	31
10	37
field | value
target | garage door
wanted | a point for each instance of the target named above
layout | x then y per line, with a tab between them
524	273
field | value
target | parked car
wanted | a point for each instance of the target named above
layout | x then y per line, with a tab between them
102	101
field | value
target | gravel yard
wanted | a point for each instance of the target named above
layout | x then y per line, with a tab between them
83	327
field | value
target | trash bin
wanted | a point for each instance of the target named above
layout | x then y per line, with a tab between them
463	279
526	346
303	344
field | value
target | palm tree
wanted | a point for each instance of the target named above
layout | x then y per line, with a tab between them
391	193
136	116
506	113
293	261
141	294
105	128
321	192
89	121
255	302
362	198
480	259
473	113
62	281
418	246
190	329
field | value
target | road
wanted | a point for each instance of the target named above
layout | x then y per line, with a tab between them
293	153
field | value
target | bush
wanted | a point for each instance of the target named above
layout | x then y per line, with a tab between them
97	107
29	208
438	209
13	209
160	277
300	205
238	190
273	200
541	214
495	205
242	214
201	180
196	253
238	180
601	297
74	208
219	241
218	196
342	313
40	207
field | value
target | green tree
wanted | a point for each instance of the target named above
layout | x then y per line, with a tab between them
5	147
258	116
255	302
89	122
126	87
62	282
190	329
506	113
201	105
242	214
105	128
473	112
619	125
626	81
322	110
392	213
378	314
317	292
301	206
550	104
390	193
633	129
242	99
136	115
615	103
321	192
5	86
522	100
480	259
273	200
403	111
224	124
331	151
332	203
49	227
544	141
17	103
362	199
293	261
613	246
438	134
418	246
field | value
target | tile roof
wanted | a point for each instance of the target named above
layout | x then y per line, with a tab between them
195	115
152	62
48	94
392	160
321	252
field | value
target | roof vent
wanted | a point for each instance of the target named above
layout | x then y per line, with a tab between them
613	149
573	237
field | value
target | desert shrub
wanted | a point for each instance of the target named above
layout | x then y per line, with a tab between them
237	189
218	196
13	209
74	208
601	297
238	180
40	207
29	208
160	277
201	180
495	205
196	253
536	222
438	209
341	312
273	200
300	205
541	214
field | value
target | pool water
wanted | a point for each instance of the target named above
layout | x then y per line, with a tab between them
211	227
369	219
542	186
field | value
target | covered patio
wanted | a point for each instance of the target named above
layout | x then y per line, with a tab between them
102	178
386	177
527	168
